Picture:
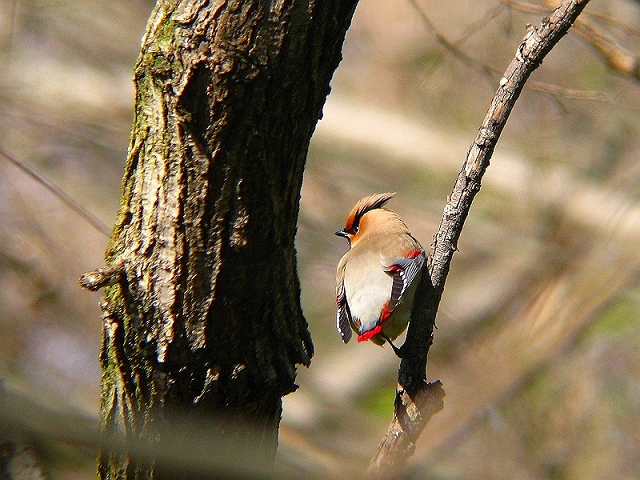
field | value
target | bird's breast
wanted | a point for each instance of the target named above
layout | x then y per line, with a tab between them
367	287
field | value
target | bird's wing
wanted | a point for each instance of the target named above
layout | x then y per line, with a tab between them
343	319
404	271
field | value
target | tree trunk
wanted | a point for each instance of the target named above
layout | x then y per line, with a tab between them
204	320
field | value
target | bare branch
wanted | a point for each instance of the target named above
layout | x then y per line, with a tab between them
412	374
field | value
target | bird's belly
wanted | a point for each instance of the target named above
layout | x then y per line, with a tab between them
368	297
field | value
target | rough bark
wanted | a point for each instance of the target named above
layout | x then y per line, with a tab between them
417	401
202	317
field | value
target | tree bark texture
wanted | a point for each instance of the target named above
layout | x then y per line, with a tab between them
204	318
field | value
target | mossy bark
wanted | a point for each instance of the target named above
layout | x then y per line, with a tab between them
205	321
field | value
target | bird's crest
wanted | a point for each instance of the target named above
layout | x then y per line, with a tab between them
377	200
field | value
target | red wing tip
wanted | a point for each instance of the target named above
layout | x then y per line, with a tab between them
385	314
363	337
414	253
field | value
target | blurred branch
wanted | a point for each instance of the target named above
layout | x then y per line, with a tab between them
186	446
616	56
412	374
453	47
60	194
527	7
558	92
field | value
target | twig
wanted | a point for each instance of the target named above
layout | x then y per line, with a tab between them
554	91
526	7
612	52
616	56
412	374
558	92
60	194
453	47
102	277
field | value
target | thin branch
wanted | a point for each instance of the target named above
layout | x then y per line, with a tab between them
412	374
60	194
558	92
616	56
454	48
527	7
613	22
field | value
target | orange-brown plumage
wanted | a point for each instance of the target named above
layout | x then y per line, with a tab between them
366	204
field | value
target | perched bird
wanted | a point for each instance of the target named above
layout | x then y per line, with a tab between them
377	278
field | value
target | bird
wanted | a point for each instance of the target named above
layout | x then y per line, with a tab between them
377	278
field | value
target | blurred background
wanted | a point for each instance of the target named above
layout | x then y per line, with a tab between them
538	340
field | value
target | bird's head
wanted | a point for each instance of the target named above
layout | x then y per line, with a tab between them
368	217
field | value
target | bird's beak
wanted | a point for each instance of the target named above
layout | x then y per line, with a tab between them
342	233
